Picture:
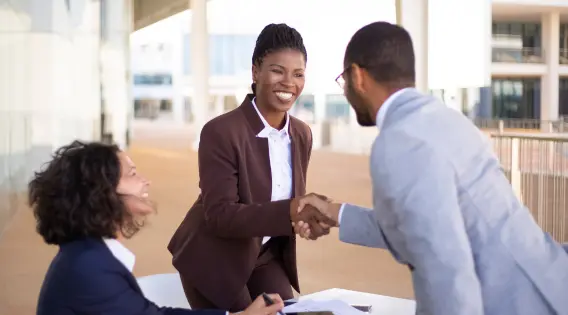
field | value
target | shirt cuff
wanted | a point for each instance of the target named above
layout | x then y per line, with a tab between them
340	213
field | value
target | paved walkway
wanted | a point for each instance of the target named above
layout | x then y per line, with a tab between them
172	167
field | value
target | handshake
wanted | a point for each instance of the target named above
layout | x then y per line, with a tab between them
313	215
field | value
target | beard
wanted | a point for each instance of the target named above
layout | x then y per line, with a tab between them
358	103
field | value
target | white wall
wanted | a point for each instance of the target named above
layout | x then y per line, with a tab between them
49	79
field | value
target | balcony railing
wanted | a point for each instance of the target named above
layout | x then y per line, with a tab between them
517	55
537	167
502	124
563	58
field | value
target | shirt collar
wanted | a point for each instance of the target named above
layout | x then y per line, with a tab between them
120	252
384	109
267	128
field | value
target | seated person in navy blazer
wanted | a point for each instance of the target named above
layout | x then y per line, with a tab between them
87	200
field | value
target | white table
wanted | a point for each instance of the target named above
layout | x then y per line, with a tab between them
382	305
166	290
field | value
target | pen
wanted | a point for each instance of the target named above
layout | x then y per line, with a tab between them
269	302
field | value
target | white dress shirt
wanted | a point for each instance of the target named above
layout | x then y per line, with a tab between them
379	121
280	156
120	252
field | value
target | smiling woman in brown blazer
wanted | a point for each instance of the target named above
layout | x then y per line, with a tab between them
237	241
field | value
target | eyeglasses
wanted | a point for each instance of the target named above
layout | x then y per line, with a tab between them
340	79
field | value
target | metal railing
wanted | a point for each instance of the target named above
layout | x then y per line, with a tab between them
517	55
537	166
501	124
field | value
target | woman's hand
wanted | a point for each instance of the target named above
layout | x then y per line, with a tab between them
259	307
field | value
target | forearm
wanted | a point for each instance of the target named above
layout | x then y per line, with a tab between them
358	226
246	221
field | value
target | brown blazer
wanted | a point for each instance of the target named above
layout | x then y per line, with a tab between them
217	244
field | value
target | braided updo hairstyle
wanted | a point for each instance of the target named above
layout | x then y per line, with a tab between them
276	37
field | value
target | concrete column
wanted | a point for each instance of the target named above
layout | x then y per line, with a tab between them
319	126
117	100
199	65
319	107
549	82
219	104
413	16
178	99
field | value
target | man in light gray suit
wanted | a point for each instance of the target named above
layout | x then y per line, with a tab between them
441	203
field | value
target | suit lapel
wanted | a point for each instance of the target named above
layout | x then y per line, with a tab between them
118	265
263	185
295	150
130	278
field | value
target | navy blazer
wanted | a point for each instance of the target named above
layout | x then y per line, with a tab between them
85	278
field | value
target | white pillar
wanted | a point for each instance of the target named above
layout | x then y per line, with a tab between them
549	82
413	16
319	107
49	91
219	104
115	61
319	118
178	98
199	39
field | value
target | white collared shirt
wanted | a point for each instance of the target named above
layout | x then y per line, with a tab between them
380	119
280	156
120	252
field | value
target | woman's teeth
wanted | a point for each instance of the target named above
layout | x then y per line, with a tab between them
284	96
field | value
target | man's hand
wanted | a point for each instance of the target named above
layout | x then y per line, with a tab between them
312	229
258	307
304	212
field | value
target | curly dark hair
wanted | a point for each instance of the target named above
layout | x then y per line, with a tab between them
276	37
74	195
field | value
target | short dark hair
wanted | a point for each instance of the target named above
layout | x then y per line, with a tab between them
385	50
276	37
74	195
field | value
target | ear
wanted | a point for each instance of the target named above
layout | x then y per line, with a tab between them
255	70
358	78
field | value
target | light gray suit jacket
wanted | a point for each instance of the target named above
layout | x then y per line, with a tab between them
443	206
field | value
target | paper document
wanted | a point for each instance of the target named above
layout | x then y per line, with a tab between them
338	307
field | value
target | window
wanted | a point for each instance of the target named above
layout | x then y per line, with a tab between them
304	108
517	98
165	105
152	79
530	34
228	54
563	97
336	106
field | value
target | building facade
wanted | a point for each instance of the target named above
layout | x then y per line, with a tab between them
530	61
529	70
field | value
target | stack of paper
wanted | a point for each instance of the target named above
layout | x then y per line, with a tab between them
338	307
